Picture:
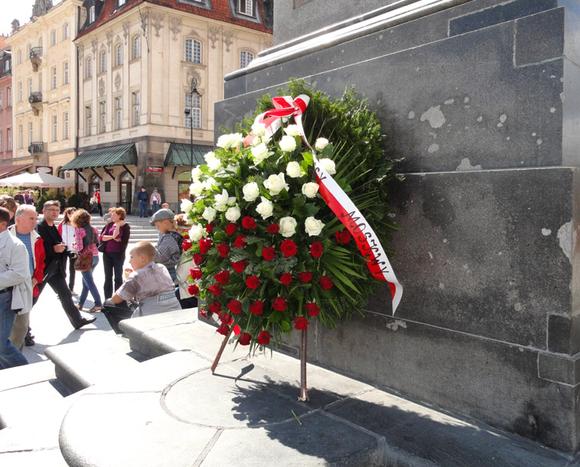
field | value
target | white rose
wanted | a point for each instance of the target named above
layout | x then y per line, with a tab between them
287	143
209	214
292	130
258	129
196	232
233	214
196	188
265	208
287	226
328	165
276	183
320	144
294	170
230	141
221	201
196	174
186	205
313	226
212	161
310	189
209	183
259	153
251	191
232	168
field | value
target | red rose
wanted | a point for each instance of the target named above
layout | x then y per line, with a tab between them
240	241
300	323
268	253
235	306
257	307
316	249
223	329
223	249
273	229
226	319
286	279
312	309
343	237
203	312
252	282
279	304
326	283
186	244
197	258
239	266
245	338
305	277
248	223
263	338
195	273
193	289
209	228
204	245
223	277
215	307
231	229
215	290
288	248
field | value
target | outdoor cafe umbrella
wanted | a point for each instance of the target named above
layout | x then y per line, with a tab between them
35	180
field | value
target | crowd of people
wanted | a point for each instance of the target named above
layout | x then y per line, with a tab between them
34	254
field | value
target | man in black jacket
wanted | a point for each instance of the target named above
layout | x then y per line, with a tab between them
54	272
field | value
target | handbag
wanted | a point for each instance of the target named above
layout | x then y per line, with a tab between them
101	247
84	261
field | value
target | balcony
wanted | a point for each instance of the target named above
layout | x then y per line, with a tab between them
35	148
35	57
35	100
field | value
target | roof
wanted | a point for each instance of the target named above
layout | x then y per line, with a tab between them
180	154
123	154
8	170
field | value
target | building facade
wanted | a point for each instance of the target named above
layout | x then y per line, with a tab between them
5	104
137	111
44	86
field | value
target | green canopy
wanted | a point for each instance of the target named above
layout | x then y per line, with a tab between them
123	154
180	154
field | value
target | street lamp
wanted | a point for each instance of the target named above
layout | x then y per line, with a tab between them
189	114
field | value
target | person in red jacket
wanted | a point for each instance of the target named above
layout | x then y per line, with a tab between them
26	219
97	197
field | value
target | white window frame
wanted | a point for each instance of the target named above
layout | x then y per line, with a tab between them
193	50
245	7
119	54
29	86
65	71
65	124
65	31
89	67
135	108
121	3
193	120
88	120
30	133
92	14
118	112
102	61
9	139
54	128
245	59
102	117
53	80
136	47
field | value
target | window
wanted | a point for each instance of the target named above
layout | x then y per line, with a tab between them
88	68
120	3
29	86
136	47
65	31
88	120
1	145
20	137
8	97
102	61
246	7
135	108
245	58
65	125
29	133
53	78
193	120
192	51
19	91
54	128
7	66
102	116
52	37
118	113
92	14
65	73
9	139
118	54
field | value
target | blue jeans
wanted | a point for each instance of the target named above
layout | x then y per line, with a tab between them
142	208
9	355
154	207
89	285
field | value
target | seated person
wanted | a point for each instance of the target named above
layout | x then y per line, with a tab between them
148	285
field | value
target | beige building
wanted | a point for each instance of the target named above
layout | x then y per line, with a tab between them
44	86
137	113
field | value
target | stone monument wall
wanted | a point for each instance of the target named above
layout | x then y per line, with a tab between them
482	99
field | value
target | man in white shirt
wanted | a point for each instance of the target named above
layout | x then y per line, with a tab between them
15	290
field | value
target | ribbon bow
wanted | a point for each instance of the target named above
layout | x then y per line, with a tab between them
284	107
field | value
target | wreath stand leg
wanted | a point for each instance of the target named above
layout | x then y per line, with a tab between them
220	352
303	384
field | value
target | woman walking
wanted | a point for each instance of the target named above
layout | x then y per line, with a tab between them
68	233
115	236
88	257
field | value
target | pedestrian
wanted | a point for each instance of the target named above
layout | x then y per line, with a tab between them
15	290
168	251
28	197
155	200
143	199
54	268
68	233
19	197
165	206
115	237
26	219
148	287
97	196
86	243
9	203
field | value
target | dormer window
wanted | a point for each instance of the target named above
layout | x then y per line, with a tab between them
246	7
120	3
92	14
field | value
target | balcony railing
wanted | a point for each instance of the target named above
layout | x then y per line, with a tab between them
35	57
35	148
35	97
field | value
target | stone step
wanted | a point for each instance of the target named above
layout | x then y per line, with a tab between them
79	365
26	375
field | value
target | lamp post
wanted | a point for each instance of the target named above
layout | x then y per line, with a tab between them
189	114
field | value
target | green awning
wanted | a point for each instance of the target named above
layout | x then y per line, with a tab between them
123	154
180	154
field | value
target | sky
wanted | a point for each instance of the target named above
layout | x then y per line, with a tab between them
10	9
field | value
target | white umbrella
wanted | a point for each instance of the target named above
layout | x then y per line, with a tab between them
35	180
